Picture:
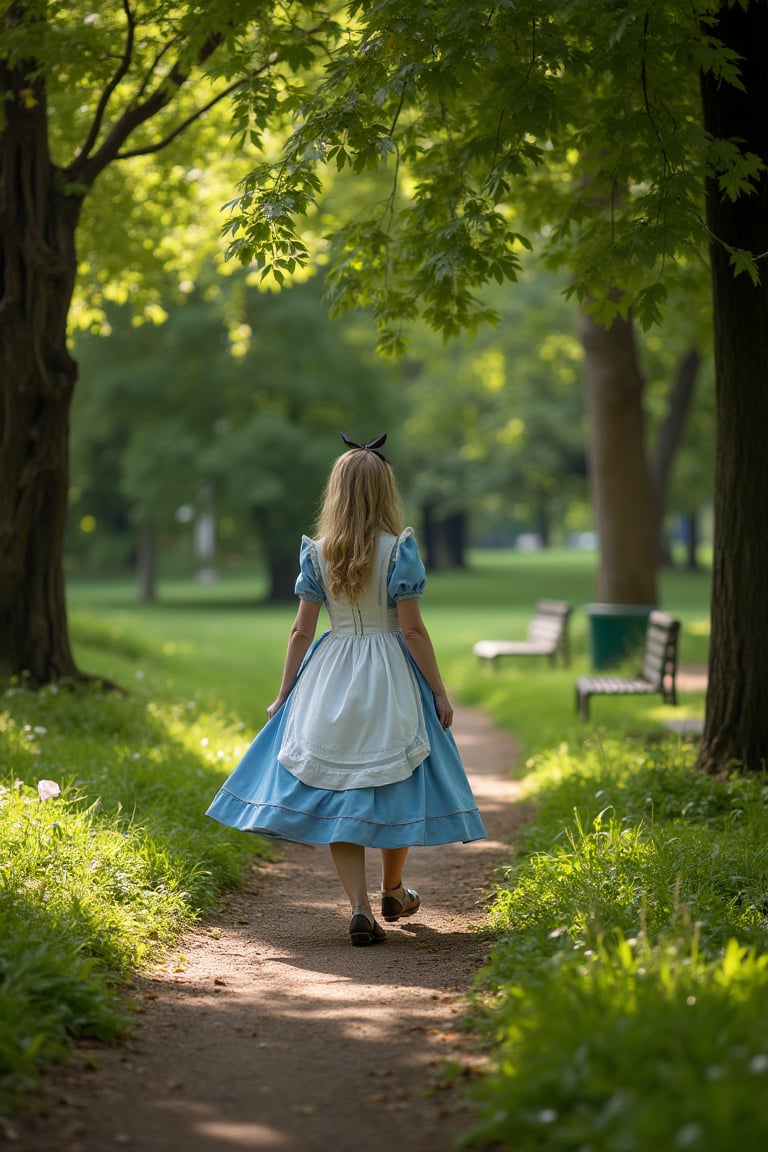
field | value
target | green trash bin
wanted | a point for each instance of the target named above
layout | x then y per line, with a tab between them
616	632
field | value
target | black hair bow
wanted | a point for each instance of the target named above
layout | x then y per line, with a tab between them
371	446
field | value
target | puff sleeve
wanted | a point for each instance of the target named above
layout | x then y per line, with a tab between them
407	576
309	583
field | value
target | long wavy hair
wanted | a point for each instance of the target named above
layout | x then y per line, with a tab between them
360	502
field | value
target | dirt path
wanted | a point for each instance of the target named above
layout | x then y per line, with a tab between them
266	1030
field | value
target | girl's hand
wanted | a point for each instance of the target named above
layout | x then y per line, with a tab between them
444	709
275	707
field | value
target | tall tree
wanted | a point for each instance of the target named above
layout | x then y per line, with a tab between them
476	101
620	478
87	88
736	726
670	434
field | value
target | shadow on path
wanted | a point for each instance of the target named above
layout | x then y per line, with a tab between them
266	1030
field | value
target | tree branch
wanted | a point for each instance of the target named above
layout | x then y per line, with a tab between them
86	170
399	109
171	44
84	151
182	127
646	96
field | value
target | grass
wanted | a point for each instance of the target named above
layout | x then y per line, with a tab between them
627	991
95	883
624	1004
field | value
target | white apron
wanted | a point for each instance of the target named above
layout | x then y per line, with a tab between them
355	714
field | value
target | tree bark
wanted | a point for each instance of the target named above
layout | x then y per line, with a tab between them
670	435
736	724
618	469
37	376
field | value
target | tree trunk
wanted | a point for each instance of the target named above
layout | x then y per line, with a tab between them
736	725
669	437
543	523
282	568
146	562
618	469
37	377
443	541
665	555
428	540
455	537
691	521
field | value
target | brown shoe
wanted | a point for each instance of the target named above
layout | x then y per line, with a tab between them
393	907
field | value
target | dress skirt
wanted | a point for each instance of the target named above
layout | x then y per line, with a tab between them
433	805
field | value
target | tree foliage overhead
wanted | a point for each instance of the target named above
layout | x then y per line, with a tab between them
487	115
141	97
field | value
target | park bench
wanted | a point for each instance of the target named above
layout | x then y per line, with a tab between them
657	675
547	636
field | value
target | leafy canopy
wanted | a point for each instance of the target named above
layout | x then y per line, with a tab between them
573	123
152	113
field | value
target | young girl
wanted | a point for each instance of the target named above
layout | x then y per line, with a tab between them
357	750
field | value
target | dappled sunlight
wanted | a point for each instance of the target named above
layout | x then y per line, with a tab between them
273	980
244	1134
274	1010
494	791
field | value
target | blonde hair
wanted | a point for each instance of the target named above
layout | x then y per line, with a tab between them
360	502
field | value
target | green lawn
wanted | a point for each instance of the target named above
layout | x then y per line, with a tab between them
219	639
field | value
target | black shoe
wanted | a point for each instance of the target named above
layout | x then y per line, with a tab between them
364	930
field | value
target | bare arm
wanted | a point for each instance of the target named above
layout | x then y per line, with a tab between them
419	644
302	634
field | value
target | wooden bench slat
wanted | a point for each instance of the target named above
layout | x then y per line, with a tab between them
602	686
655	648
490	649
658	673
547	635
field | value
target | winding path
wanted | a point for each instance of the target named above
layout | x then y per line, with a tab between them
266	1030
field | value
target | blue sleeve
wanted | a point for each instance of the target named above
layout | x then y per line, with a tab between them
407	577
308	583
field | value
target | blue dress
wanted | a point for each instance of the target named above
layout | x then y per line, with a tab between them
356	753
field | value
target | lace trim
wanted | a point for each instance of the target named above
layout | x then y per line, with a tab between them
404	535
